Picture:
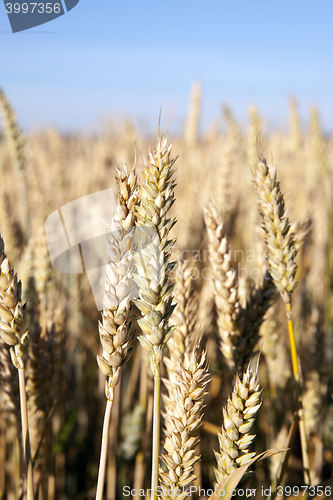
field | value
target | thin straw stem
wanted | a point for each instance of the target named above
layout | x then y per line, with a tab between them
104	447
111	478
25	429
156	431
298	379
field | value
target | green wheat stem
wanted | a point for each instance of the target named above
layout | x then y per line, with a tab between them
293	349
298	380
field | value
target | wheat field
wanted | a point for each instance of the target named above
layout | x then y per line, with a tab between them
225	351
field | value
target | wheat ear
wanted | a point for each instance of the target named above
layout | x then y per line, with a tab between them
238	419
44	376
260	300
9	382
282	267
254	136
153	271
191	132
133	420
185	314
238	326
183	337
182	421
296	132
13	332
16	149
115	328
230	312
237	342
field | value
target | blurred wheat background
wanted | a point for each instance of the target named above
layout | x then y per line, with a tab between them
42	171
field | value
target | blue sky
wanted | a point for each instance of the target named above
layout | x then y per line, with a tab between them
132	57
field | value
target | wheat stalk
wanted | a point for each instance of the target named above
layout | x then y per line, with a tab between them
153	271
282	267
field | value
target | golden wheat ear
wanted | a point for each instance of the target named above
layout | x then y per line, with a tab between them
153	269
182	421
16	149
115	329
281	253
238	418
238	325
14	333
